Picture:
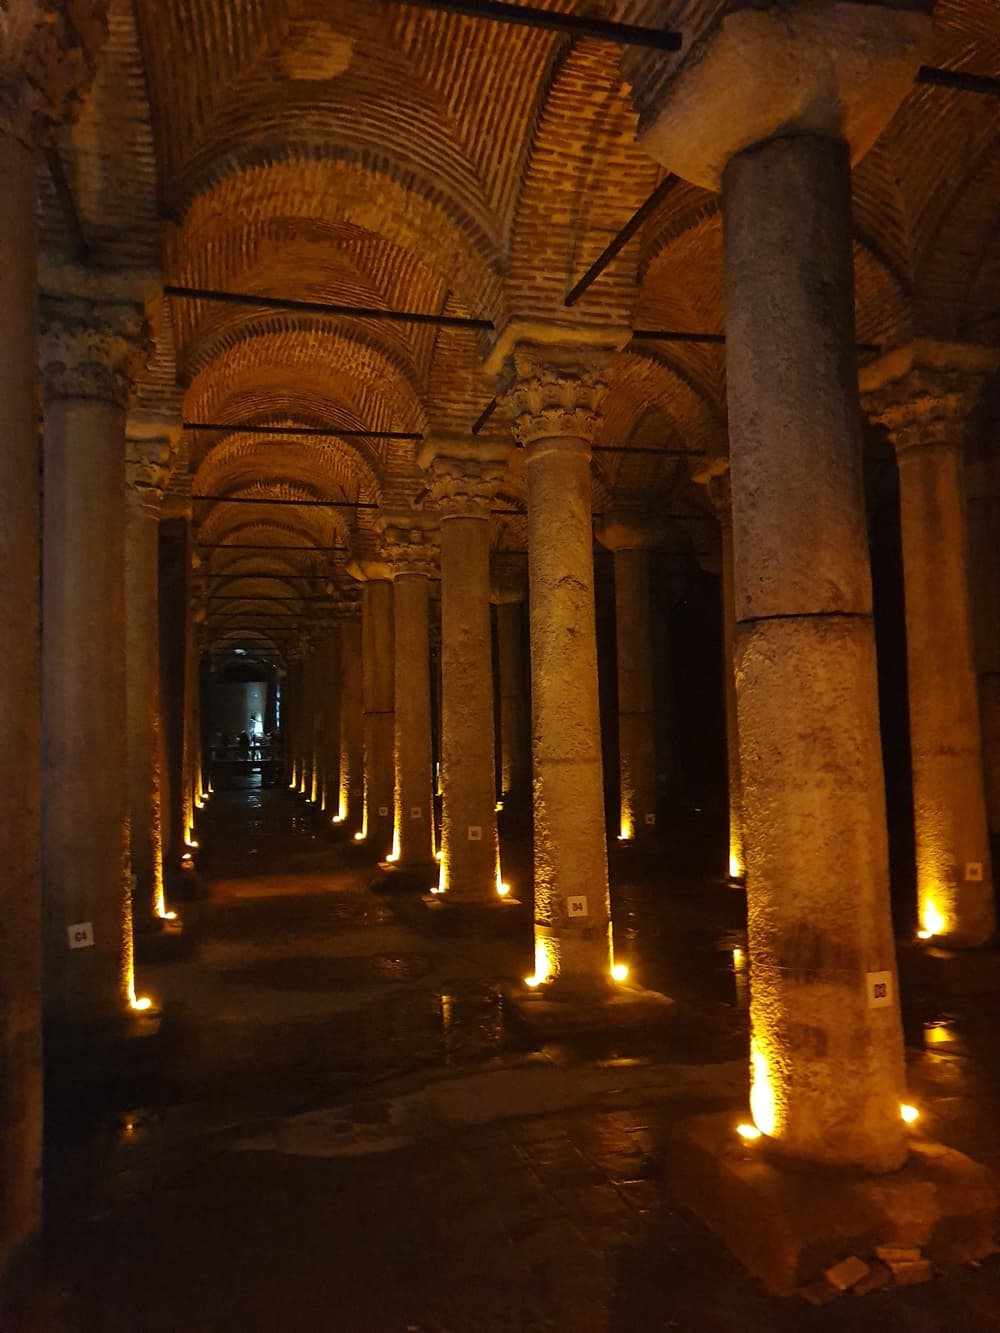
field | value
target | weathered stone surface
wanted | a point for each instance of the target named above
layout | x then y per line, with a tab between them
788	1225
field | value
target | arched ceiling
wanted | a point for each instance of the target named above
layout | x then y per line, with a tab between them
382	155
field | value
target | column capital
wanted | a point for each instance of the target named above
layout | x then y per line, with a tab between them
819	67
556	392
465	474
50	54
95	337
411	550
924	393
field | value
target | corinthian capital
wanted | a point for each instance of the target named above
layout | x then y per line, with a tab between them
924	393
410	550
556	393
50	50
465	475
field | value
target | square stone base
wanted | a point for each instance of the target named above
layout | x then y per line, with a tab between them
788	1224
622	1009
164	945
392	878
452	914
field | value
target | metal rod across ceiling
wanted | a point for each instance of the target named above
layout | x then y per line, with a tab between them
325	308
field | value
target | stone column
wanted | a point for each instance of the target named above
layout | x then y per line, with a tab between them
330	742
34	47
378	677
192	716
147	471
826	1040
465	478
352	780
555	403
983	493
630	542
720	495
924	394
413	556
92	349
515	757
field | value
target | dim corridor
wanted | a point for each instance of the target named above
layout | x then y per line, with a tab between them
338	1130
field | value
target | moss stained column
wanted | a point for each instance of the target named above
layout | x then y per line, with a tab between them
465	479
413	555
92	349
719	493
147	471
630	540
770	113
924	395
378	686
352	783
555	403
983	492
515	756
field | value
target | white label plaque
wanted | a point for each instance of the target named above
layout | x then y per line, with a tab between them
974	872
879	990
475	832
415	812
650	819
81	936
383	810
577	905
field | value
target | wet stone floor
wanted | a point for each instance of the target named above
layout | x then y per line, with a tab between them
340	1130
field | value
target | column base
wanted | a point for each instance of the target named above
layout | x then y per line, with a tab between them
164	944
788	1224
391	877
90	1055
186	885
471	916
548	1011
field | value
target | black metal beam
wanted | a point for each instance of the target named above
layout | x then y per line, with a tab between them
605	30
620	240
309	432
485	415
262	500
325	308
81	246
960	79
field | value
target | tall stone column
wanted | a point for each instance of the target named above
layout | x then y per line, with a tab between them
147	471
983	494
192	715
924	394
465	478
92	349
378	686
34	46
630	541
352	780
555	402
329	793
721	497
413	556
827	1074
515	756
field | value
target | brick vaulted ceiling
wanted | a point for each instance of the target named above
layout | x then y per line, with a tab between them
368	153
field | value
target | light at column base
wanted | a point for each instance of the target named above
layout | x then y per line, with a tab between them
532	982
619	971
192	844
142	1003
503	890
909	1113
748	1132
337	819
735	866
359	837
932	921
169	916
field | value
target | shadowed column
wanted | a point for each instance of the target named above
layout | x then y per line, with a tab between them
147	471
92	349
379	722
924	394
465	478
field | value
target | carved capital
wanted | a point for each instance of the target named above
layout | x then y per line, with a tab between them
924	394
411	551
148	465
93	350
556	394
465	487
50	50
